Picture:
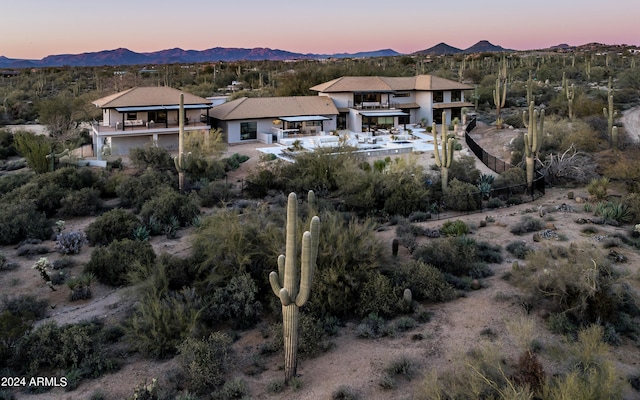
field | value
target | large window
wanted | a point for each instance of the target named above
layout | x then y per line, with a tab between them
456	95
132	116
158	116
438	96
248	130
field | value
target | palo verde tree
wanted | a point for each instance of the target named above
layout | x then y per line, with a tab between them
290	287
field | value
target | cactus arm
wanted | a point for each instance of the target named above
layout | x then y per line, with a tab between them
290	270
306	270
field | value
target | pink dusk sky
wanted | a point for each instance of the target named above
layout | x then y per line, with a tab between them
33	29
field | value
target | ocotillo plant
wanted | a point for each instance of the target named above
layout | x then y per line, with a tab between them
179	160
291	287
444	161
609	112
532	139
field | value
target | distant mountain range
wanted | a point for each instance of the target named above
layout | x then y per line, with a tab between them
178	56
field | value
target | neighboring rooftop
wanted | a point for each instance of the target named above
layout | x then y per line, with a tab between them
273	107
148	96
388	84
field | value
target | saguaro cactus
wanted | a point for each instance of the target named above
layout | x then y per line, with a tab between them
499	98
532	139
444	161
570	92
609	112
614	137
179	160
293	292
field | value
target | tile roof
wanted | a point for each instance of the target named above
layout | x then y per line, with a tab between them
273	107
148	96
387	83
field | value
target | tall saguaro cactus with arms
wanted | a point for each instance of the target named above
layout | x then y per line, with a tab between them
443	161
532	139
291	287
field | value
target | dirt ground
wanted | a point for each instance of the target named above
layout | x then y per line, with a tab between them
455	327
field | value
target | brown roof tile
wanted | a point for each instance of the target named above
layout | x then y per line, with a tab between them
274	107
148	96
387	83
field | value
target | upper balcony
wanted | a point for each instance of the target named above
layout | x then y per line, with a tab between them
140	127
373	105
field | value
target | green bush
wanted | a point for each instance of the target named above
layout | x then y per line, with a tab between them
214	193
454	228
579	285
82	202
167	204
488	252
527	224
110	264
20	221
14	181
134	191
464	169
235	302
162	320
236	388
425	281
116	224
452	255
35	149
462	196
205	361
26	306
153	157
76	346
518	249
312	336
378	295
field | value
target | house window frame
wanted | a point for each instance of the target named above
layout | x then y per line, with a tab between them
438	96
456	95
248	130
132	116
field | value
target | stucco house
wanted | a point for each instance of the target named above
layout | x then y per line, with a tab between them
367	103
146	115
271	119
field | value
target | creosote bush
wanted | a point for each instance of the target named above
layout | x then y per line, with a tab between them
205	361
167	204
110	264
116	224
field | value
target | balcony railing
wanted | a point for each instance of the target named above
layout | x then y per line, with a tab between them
373	105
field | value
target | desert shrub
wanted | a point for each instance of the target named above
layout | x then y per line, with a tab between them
233	162
590	372
80	287
578	283
153	157
510	177
236	388
345	392
235	302
116	224
518	249
452	255
205	361
110	264
597	188
372	326
632	200
347	252
378	295
419	216
425	281
14	181
20	221
494	202
402	366
214	193
488	252
12	328
61	348
25	306
134	191
222	253
167	204
462	196
70	242
464	169
454	228
82	202
161	321
7	147
527	224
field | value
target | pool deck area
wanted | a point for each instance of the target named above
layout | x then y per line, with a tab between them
417	140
